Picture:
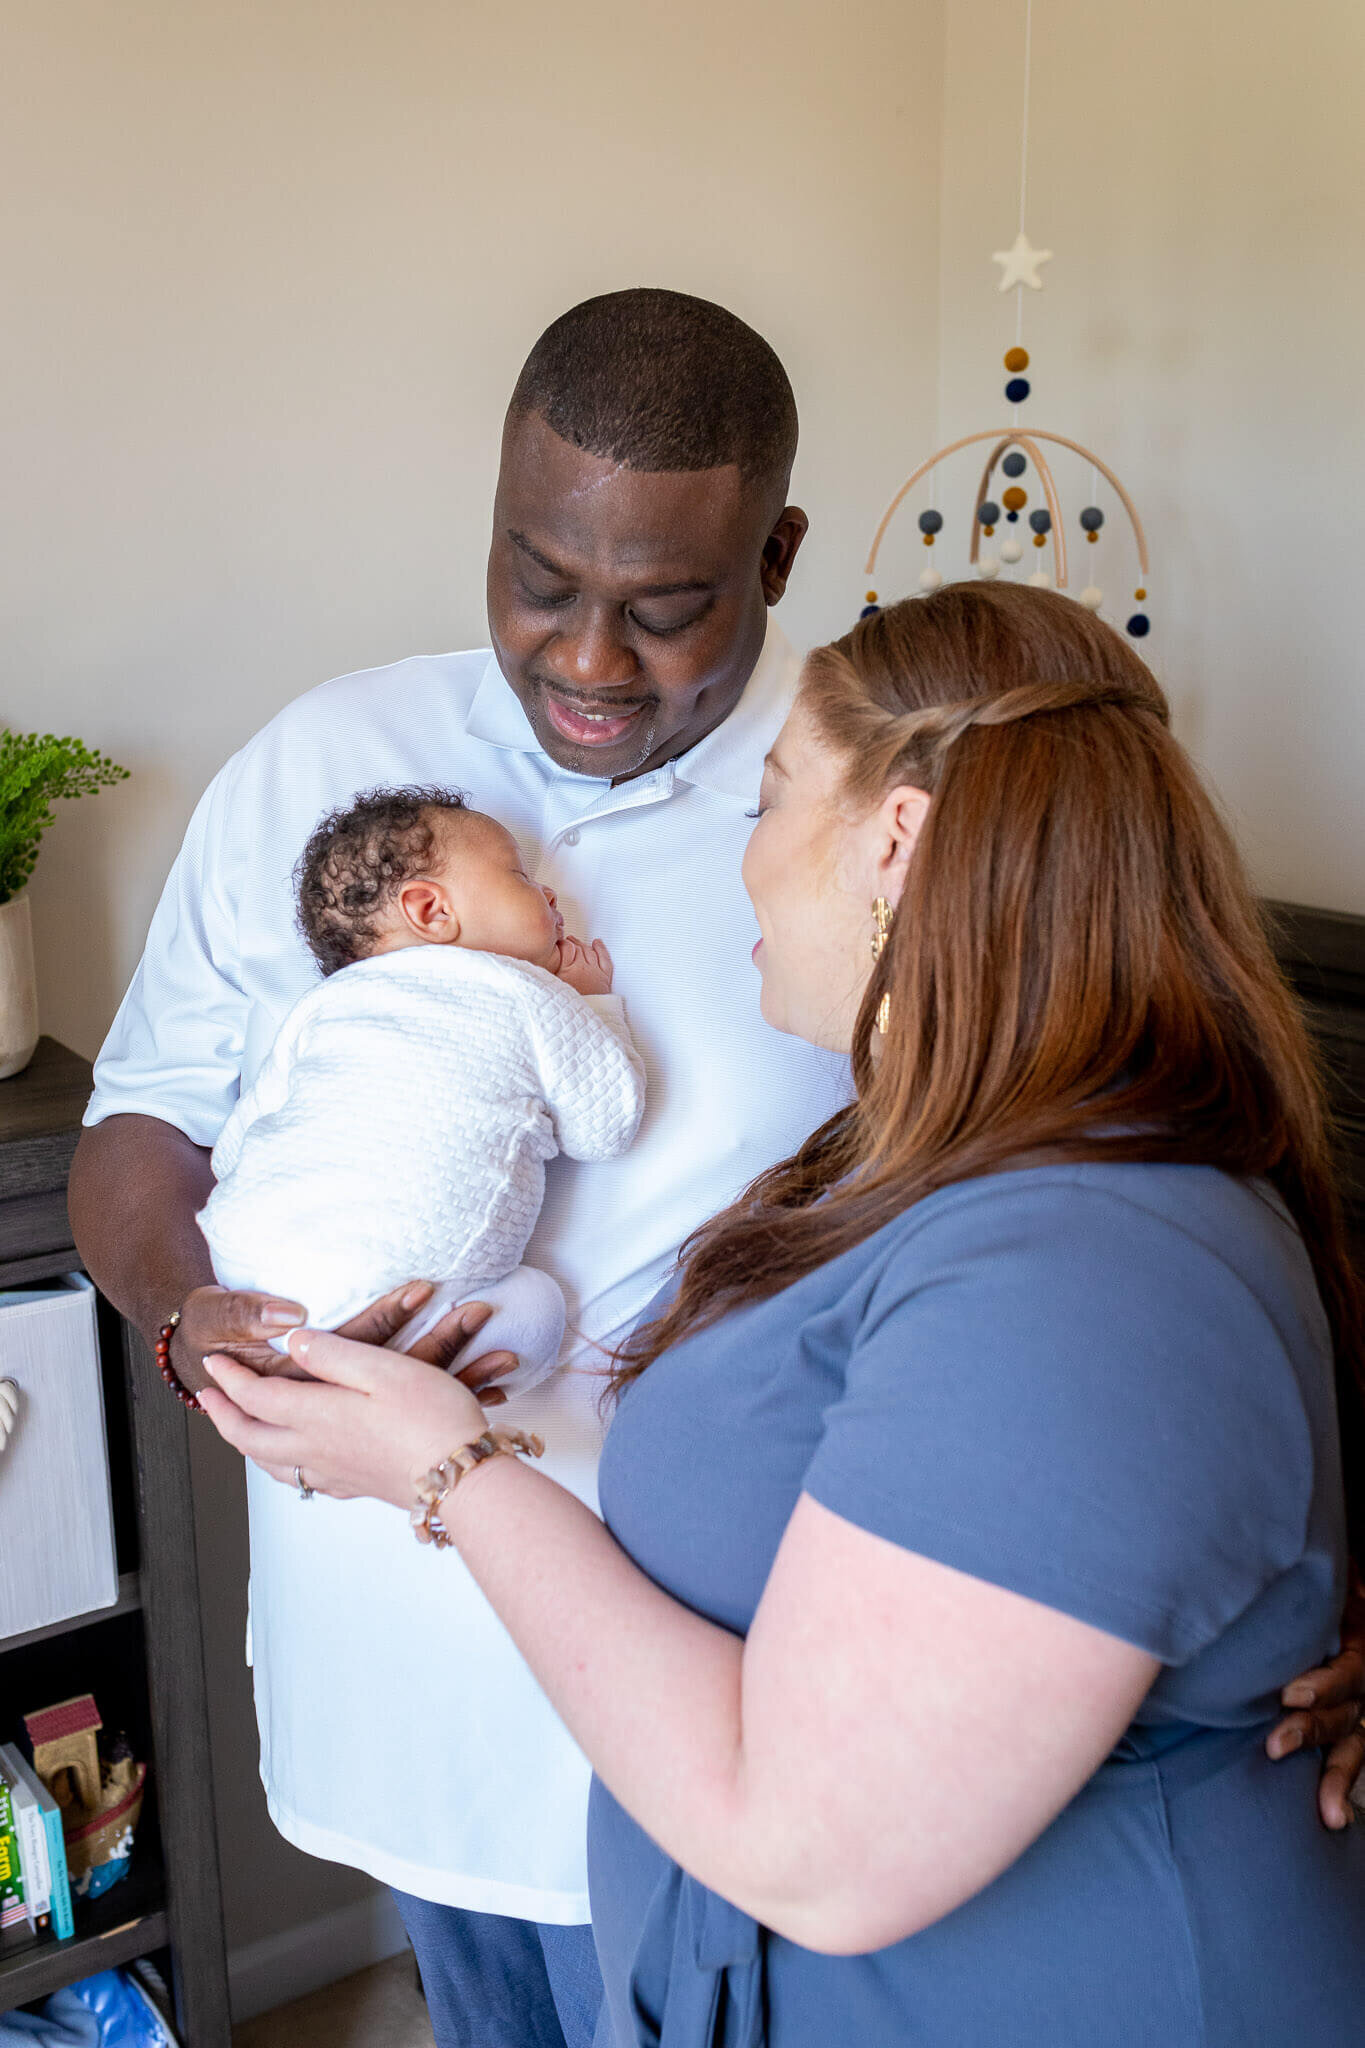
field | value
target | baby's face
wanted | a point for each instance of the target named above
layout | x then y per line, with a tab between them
479	866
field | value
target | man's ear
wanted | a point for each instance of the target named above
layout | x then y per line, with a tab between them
900	819
428	912
780	550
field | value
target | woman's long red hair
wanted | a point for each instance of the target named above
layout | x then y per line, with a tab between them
1076	969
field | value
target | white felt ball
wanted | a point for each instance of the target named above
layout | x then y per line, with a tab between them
988	566
1010	550
1092	597
929	579
1041	580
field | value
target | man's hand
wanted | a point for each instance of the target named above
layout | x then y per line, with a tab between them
240	1326
1327	1705
220	1319
586	968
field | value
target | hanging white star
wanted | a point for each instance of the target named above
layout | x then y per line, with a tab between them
1020	264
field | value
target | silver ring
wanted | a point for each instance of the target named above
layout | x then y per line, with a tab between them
305	1491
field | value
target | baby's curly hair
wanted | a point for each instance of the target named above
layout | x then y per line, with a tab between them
355	860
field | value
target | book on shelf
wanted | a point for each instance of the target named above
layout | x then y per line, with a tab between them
45	1821
12	1913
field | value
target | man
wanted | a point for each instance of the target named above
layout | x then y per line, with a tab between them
641	535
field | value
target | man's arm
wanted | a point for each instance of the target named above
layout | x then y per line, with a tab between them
136	1187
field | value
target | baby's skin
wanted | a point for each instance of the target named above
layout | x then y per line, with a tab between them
475	892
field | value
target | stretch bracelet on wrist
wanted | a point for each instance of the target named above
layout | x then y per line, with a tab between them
166	1369
442	1479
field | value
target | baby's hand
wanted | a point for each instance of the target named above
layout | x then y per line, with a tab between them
586	968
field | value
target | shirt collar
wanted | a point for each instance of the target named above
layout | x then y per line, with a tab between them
729	760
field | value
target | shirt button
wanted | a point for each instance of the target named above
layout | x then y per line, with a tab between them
571	838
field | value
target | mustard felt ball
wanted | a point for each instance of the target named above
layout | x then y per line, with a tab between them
1016	358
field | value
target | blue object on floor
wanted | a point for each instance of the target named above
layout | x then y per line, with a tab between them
106	2011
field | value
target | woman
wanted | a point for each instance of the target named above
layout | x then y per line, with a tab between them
1007	1404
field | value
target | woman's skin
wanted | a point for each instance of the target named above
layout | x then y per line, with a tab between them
872	1677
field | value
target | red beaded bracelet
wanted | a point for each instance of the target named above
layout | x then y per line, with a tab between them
166	1369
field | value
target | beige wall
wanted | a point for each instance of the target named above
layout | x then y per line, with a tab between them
1198	171
270	268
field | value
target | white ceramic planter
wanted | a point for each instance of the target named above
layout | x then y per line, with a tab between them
18	987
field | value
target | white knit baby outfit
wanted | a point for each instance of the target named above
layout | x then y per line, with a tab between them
399	1130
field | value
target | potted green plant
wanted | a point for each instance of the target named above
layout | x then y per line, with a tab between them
35	769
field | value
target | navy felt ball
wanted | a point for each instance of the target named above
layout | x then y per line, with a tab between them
1013	518
1092	519
1139	625
931	522
988	512
1017	390
869	610
1040	520
1014	463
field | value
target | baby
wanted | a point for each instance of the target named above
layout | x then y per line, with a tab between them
401	1122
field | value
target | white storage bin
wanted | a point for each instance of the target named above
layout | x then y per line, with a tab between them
56	1520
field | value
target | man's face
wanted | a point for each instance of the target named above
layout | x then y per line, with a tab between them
627	607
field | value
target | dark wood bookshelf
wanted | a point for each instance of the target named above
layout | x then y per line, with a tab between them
142	1657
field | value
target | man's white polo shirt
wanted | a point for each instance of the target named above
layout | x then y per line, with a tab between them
401	1732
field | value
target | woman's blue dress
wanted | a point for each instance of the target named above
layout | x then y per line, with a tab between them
1108	1388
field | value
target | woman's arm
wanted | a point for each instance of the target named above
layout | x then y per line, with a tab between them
870	1685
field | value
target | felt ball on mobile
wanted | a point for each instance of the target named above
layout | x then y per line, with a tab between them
1041	520
1092	597
1016	358
1017	390
1041	580
1139	625
931	521
1092	519
988	567
929	579
1015	499
988	512
1011	549
1014	463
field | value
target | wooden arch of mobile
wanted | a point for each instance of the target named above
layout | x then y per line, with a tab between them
1004	441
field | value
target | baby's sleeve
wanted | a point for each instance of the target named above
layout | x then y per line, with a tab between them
592	1077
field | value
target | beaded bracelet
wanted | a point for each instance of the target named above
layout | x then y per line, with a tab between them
166	1369
442	1479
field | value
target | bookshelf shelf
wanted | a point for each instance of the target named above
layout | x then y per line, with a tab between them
128	1602
127	1922
142	1656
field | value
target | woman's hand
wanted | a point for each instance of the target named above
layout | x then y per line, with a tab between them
366	1421
1328	1705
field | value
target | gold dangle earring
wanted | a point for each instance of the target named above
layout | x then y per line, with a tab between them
881	932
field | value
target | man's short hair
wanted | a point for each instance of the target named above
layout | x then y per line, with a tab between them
662	381
357	859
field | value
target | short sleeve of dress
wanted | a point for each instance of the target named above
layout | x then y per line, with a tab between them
1070	1395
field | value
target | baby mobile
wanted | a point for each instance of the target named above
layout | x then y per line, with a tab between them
1017	452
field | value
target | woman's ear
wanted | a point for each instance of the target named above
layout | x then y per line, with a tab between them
428	912
899	821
